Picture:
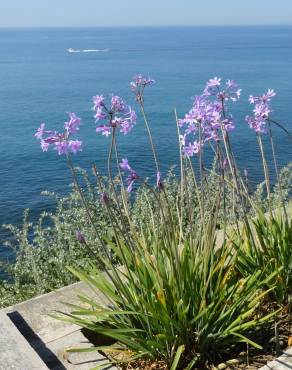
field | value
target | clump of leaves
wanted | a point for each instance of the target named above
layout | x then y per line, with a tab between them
177	300
270	250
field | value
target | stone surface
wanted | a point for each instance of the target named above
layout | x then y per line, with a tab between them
15	351
50	337
283	362
77	361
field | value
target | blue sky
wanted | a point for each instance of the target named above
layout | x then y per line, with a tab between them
85	13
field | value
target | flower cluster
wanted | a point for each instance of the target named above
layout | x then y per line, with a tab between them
138	85
261	111
132	177
231	91
119	115
208	116
61	141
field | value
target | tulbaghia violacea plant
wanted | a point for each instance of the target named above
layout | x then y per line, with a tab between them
175	295
61	142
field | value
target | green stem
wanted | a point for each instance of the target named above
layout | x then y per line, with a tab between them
276	168
266	171
149	135
181	178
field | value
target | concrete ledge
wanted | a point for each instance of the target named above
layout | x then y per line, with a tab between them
15	351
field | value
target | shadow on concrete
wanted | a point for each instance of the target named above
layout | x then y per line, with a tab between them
49	358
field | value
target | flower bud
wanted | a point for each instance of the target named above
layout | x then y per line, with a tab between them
80	237
104	198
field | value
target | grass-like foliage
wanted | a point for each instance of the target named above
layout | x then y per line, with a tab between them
270	250
173	294
44	249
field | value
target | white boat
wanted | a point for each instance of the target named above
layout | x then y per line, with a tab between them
70	50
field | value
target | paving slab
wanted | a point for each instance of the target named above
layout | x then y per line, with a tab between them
15	351
74	360
283	362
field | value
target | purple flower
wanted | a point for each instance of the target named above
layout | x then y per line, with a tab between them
208	115
72	126
45	146
128	122
104	197
40	131
99	114
212	86
98	101
132	177
139	80
261	111
264	98
118	105
119	115
80	237
214	82
74	146
124	165
126	127
258	124
231	91
192	148
105	130
138	85
61	142
159	182
133	86
270	94
228	124
130	181
62	147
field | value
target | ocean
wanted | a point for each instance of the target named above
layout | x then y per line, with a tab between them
40	81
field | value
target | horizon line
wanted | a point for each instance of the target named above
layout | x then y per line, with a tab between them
153	26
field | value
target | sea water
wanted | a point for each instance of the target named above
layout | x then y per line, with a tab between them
41	80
